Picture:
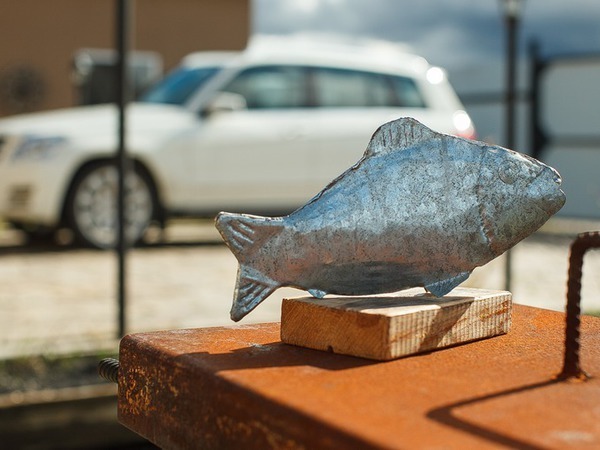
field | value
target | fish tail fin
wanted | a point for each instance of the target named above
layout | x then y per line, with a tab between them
251	288
244	235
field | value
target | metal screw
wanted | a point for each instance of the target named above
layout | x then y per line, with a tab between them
571	367
108	368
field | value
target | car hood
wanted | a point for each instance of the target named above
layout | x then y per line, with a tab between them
100	120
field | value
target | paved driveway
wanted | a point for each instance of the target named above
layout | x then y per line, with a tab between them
58	299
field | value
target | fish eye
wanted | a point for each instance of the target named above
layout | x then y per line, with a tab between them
508	172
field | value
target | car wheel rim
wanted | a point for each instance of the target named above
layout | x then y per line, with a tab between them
95	207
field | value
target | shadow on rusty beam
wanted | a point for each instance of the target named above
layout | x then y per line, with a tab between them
260	356
445	415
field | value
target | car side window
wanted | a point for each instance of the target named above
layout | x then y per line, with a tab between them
271	87
350	88
407	93
353	88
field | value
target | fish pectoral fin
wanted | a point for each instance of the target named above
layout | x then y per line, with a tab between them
317	293
441	288
244	233
251	289
399	134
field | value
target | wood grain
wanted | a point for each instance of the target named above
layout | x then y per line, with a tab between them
389	326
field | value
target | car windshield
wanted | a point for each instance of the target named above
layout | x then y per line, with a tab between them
179	85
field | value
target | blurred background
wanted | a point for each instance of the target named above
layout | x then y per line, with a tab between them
57	299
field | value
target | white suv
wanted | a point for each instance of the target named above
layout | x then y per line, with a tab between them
259	131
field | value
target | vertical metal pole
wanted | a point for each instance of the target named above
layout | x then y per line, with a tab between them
510	118
122	7
538	140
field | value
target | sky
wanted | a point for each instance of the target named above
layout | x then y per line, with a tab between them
449	33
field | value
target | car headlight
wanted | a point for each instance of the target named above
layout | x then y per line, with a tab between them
38	148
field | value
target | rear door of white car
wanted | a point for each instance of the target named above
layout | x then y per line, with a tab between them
352	104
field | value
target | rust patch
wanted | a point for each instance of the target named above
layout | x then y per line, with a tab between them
215	390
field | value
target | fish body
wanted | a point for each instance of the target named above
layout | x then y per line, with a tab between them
420	208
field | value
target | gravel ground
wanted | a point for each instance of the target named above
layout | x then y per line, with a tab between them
57	299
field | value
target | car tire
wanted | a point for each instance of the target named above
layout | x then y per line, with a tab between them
35	234
91	206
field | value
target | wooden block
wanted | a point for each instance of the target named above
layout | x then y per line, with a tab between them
390	326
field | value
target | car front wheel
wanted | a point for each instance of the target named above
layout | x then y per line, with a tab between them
91	207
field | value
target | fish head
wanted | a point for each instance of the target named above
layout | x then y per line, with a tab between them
517	194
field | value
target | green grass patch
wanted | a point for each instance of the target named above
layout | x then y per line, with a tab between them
50	372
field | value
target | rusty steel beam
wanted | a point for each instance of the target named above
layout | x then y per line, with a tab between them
240	387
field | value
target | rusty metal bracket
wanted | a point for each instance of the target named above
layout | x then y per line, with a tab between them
571	366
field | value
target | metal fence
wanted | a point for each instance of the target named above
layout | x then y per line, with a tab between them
558	105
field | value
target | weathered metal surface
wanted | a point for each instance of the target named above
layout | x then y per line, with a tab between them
240	387
571	365
419	209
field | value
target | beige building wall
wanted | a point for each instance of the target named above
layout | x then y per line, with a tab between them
40	37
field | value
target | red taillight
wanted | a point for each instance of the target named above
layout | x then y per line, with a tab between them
468	134
463	125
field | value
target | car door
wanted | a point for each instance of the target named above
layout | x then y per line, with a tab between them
351	105
258	158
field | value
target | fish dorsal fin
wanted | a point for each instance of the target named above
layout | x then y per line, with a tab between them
244	233
398	135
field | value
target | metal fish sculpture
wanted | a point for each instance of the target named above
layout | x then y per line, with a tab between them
420	208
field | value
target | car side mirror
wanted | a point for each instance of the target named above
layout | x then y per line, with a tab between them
223	102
